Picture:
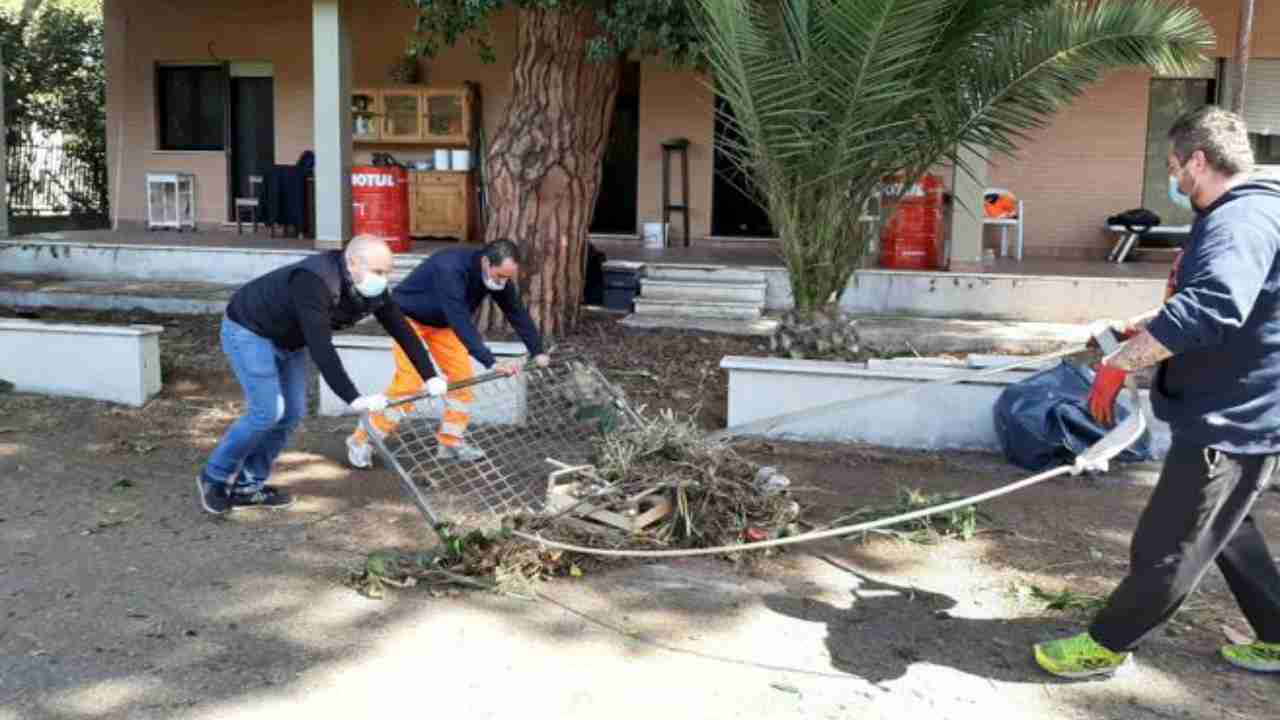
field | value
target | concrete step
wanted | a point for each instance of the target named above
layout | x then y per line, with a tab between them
696	291
170	298
759	327
684	308
701	273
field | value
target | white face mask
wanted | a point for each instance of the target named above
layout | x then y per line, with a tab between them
489	282
372	285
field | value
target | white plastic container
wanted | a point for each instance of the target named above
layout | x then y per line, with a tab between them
461	160
655	235
442	159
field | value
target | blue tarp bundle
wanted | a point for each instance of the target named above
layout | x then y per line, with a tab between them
1044	420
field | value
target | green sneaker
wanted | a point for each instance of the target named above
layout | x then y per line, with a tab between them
1080	657
1256	656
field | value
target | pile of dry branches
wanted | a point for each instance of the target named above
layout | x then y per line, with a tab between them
717	498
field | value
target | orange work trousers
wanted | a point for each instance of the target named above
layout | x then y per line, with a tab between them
454	361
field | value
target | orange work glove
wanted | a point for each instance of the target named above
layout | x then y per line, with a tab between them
1102	396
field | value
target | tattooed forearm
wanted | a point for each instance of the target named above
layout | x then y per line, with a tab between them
1140	352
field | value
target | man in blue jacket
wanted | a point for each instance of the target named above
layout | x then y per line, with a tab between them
1217	342
439	297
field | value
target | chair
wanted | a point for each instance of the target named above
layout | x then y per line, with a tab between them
1004	223
251	204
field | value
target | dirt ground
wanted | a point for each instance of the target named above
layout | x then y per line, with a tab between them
119	598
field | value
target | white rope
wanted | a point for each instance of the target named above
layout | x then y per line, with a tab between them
1094	459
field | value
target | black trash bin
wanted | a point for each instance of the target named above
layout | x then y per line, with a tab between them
593	288
621	285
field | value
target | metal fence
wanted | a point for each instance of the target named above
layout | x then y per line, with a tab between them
521	431
46	180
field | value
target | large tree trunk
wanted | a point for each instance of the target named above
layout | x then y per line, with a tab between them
543	164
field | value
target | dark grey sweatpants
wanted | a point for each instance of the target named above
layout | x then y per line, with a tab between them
1199	513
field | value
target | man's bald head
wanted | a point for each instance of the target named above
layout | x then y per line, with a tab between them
368	247
368	254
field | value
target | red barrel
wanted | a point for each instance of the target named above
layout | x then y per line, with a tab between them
911	239
380	204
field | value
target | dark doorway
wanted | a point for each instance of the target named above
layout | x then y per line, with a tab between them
253	135
615	212
734	212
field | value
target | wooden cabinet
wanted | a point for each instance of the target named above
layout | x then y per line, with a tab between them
402	115
413	116
366	115
448	117
442	204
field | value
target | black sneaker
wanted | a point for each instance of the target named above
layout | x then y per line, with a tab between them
265	496
213	496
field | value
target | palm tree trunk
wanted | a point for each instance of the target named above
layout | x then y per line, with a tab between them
544	162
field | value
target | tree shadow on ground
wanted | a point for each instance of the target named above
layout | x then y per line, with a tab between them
129	601
913	626
172	613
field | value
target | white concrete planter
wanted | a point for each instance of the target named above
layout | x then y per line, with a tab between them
946	417
1059	299
370	363
115	363
1056	299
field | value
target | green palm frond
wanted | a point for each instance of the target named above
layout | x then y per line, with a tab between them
828	97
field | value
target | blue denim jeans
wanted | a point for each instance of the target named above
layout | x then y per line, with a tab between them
275	392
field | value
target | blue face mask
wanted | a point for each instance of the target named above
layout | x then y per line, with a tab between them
372	286
1176	196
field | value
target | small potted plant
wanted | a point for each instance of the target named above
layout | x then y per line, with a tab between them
405	70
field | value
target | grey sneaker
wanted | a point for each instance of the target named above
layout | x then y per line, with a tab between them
460	453
359	455
265	497
213	496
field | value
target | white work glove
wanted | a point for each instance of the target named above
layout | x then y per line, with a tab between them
369	403
1122	330
436	386
510	368
542	360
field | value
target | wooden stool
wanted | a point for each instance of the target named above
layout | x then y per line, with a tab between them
671	147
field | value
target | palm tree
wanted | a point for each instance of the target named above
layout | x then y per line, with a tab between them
829	97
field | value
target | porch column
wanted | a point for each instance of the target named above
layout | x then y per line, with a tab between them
331	89
966	213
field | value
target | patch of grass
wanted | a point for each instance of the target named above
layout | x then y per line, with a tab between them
959	524
477	559
1068	600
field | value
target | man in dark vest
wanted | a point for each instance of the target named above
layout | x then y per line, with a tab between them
270	325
